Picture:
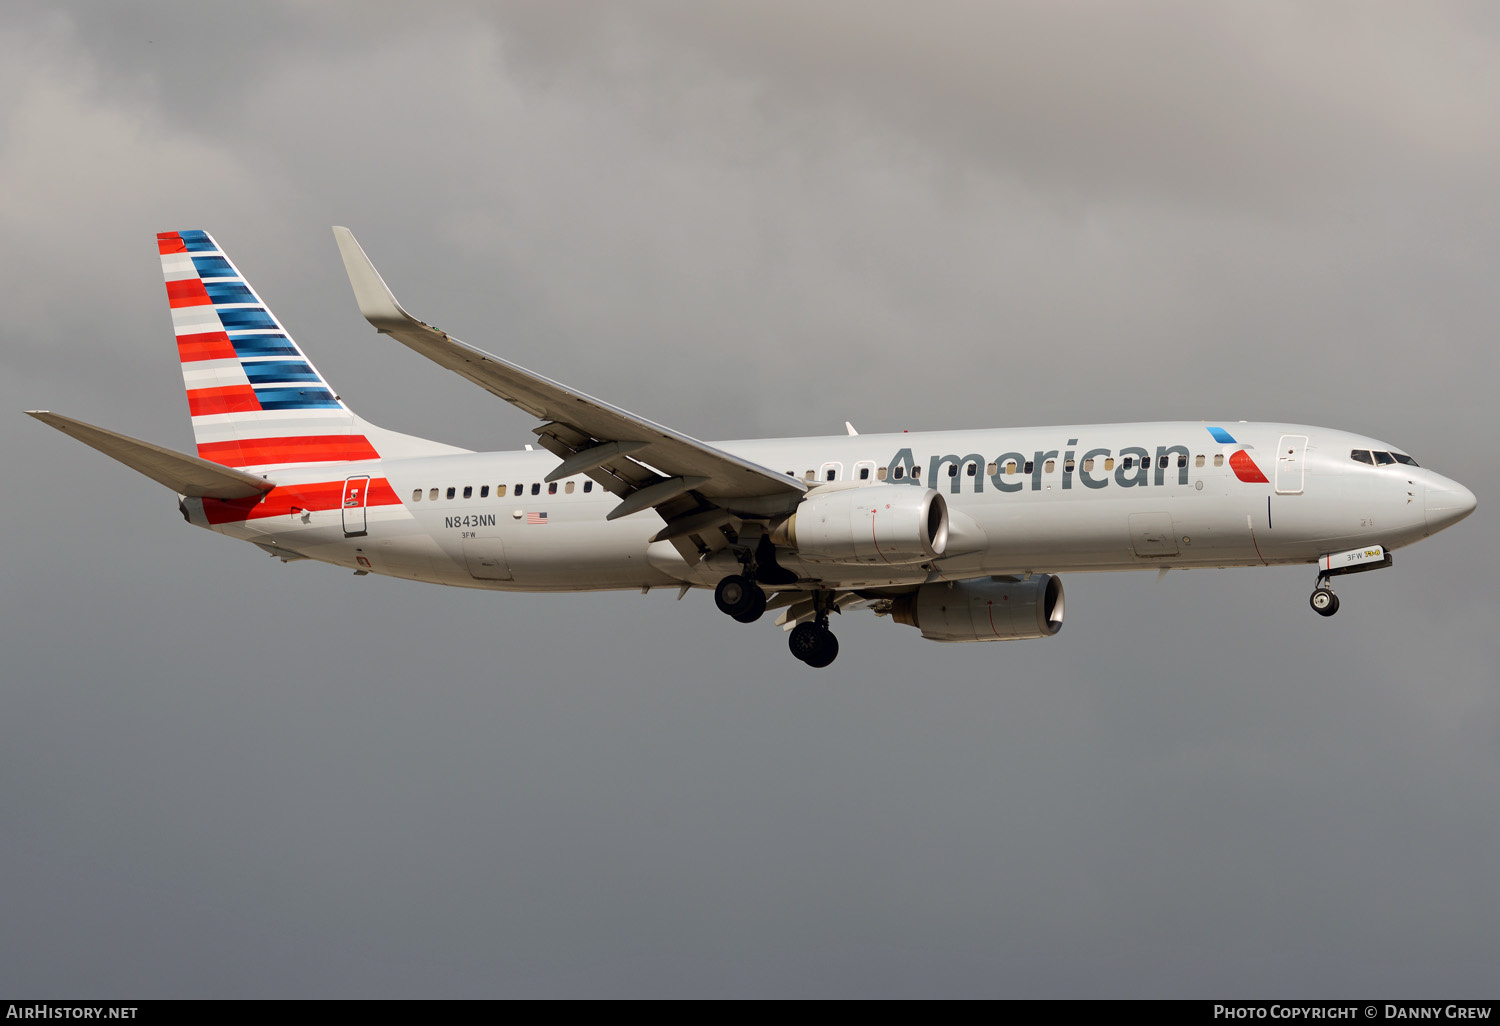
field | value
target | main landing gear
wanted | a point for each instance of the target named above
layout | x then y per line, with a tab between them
813	642
740	597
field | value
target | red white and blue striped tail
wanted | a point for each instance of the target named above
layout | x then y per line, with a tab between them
255	399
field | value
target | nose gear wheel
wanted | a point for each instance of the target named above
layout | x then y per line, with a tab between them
1324	601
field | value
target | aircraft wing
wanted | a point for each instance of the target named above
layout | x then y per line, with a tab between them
644	463
186	475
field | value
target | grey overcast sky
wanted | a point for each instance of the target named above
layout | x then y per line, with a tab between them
223	776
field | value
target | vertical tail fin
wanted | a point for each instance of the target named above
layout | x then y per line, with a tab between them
255	398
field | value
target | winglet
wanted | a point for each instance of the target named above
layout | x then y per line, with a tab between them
376	301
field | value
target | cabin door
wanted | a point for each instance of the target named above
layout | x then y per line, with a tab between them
1291	454
356	494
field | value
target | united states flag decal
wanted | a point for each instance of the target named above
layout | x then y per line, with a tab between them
536	518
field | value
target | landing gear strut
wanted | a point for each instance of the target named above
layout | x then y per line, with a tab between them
813	642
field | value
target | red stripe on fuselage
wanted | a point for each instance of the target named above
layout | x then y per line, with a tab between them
203	402
1245	469
260	452
170	242
207	345
293	500
187	292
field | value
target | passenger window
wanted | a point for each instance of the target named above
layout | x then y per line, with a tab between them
973	470
568	487
828	475
990	470
1383	459
500	491
953	470
1067	466
1129	462
452	492
1198	460
520	489
552	488
484	491
588	486
536	489
1218	459
416	496
1182	461
916	471
1163	461
880	473
468	491
811	475
899	473
432	495
864	473
1362	456
1109	463
1050	466
1088	464
1029	465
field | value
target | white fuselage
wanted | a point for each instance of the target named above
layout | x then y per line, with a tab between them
1084	503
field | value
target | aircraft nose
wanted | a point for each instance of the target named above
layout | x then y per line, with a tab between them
1448	502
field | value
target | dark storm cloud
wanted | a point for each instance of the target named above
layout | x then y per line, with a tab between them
224	776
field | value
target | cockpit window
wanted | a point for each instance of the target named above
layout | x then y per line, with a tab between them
1362	456
1401	457
1383	459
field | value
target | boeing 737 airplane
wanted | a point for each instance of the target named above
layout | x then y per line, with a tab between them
959	534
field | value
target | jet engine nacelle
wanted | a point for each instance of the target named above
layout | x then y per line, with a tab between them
992	609
880	524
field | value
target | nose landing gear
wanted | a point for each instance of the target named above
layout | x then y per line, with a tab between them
1355	561
1323	600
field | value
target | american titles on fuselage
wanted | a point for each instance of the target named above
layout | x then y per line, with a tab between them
1133	466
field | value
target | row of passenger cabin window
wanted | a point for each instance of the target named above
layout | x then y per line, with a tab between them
1375	458
1013	467
500	490
881	474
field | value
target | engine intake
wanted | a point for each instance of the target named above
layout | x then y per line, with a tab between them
994	609
882	524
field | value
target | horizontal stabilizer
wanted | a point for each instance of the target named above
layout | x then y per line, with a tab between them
186	475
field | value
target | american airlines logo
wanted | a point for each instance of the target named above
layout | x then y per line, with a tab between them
1131	467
